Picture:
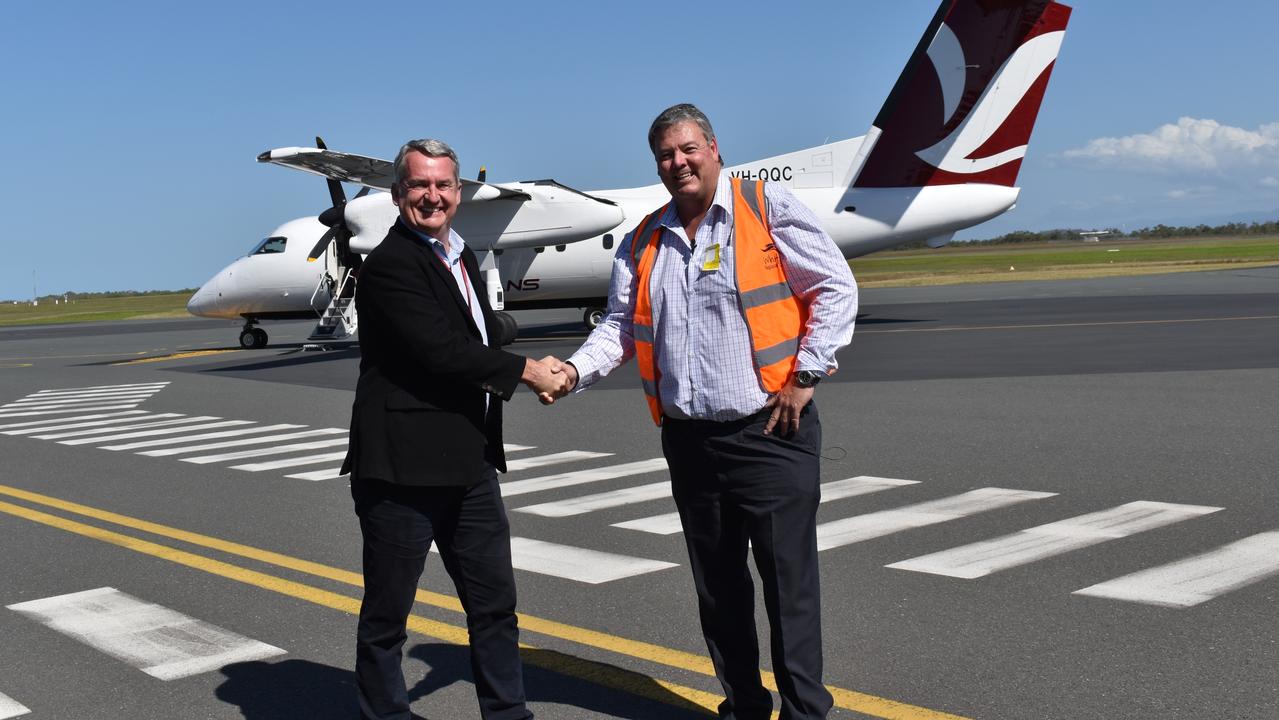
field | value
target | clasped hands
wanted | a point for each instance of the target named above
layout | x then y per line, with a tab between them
549	377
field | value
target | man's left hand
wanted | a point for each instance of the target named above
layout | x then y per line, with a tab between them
786	405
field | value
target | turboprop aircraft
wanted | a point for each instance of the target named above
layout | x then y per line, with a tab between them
942	155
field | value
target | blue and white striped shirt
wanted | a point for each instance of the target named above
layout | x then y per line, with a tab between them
700	339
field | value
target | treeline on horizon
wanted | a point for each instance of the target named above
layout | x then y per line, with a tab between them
71	296
1147	233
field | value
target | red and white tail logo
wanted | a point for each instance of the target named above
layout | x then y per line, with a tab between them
963	108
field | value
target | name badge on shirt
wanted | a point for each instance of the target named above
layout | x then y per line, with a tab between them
710	262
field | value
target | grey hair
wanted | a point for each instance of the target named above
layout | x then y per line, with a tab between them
430	148
674	115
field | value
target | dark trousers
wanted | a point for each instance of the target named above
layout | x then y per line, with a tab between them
469	526
733	484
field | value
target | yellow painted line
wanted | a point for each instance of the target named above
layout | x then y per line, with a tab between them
14	365
177	356
853	700
1078	324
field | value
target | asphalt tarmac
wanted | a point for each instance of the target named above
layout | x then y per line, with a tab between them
1041	500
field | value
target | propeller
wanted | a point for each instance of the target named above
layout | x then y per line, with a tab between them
333	217
483	174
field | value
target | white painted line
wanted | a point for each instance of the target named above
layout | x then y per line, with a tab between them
600	501
243	442
291	462
1198	579
160	642
581	477
39	425
99	431
161	431
552	459
259	452
508	447
141	416
885	522
983	558
38	404
56	391
669	523
201	436
95	408
314	475
580	564
10	708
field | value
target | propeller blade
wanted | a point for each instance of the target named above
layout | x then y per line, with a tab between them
332	217
363	191
483	174
323	244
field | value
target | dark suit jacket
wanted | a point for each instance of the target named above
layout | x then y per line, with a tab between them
419	416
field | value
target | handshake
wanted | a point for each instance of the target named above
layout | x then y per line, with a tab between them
549	377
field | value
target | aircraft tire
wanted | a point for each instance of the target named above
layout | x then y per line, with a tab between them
252	338
593	317
509	328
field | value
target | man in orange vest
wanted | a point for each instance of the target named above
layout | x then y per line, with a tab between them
734	301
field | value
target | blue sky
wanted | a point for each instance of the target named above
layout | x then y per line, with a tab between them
131	128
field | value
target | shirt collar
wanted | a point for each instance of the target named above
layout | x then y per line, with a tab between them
456	244
723	200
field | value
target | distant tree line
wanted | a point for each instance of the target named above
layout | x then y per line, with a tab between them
1158	231
72	296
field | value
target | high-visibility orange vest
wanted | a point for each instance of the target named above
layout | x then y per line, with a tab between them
774	316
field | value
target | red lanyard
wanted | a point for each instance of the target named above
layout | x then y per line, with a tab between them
466	282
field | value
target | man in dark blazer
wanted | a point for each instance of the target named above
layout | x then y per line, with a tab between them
426	441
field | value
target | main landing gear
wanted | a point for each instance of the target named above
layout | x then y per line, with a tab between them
593	317
252	337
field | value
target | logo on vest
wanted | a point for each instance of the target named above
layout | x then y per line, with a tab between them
771	257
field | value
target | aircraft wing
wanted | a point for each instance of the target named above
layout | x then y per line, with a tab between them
370	172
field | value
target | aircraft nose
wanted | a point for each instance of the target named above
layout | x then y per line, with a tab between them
204	302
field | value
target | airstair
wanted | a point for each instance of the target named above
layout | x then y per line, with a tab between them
338	321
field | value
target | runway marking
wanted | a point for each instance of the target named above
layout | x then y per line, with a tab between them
552	459
315	475
175	356
669	523
160	642
508	447
1189	582
600	501
855	529
85	408
159	385
259	452
605	676
151	433
246	441
581	564
201	436
291	462
983	558
581	477
10	708
177	420
45	404
1077	324
42	425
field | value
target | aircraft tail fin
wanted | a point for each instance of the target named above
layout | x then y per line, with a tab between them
963	109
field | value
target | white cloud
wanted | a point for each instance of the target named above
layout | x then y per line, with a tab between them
1189	145
1269	181
1192	193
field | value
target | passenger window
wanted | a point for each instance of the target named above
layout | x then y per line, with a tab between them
270	246
608	242
560	248
539	249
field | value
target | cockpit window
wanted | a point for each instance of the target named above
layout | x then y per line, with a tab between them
274	244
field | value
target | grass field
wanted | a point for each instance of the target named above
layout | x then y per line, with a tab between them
92	309
1059	260
948	265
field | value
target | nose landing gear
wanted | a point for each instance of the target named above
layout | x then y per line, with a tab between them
252	337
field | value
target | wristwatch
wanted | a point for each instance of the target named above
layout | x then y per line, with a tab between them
807	378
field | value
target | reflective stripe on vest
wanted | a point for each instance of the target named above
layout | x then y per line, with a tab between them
774	316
